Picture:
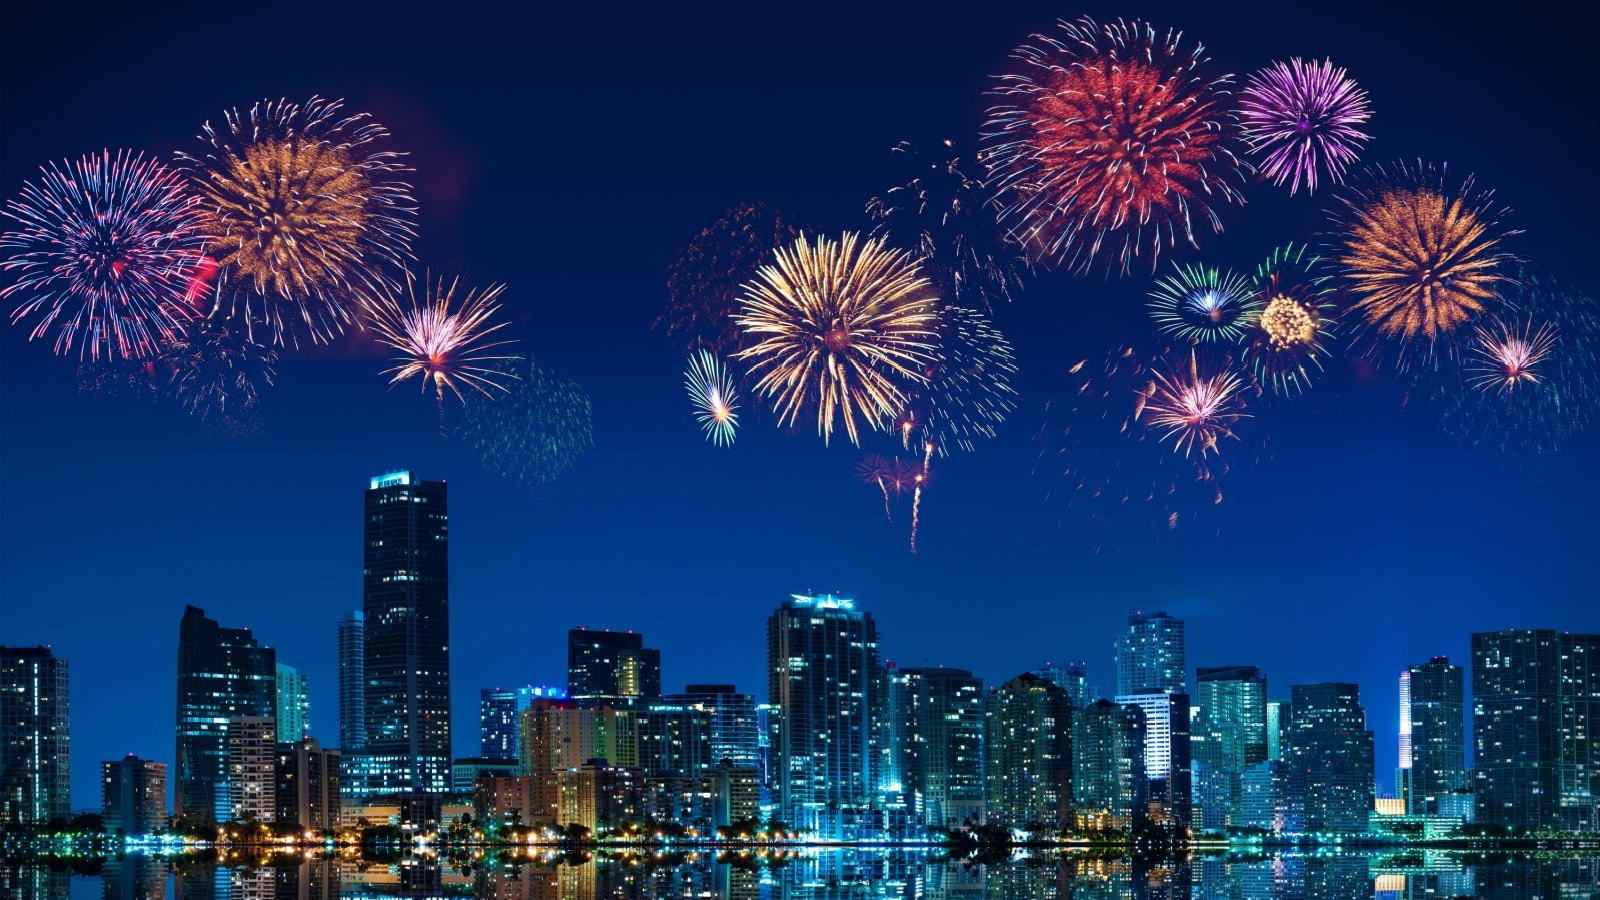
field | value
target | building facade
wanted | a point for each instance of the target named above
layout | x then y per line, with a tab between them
252	768
1109	783
497	724
307	790
1150	655
1169	773
294	704
406	606
675	738
611	668
223	674
938	740
35	736
1433	711
1029	737
134	795
1228	737
735	726
352	681
1331	748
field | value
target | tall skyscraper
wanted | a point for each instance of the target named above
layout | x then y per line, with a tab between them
1535	705
1109	783
1029	730
1168	768
223	673
675	739
35	736
611	668
1150	655
406	600
735	731
352	681
825	681
938	724
294	704
1331	748
134	795
1277	726
497	724
1433	712
1072	677
1229	736
252	768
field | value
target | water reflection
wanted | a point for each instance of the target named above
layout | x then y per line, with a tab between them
819	875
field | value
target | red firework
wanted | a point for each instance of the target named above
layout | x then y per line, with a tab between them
1110	135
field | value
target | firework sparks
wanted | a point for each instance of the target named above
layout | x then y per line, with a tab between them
920	481
441	339
705	281
1196	409
540	428
711	390
217	373
1203	303
1505	356
1303	119
1110	137
1422	260
1289	337
967	390
105	250
305	218
844	326
893	476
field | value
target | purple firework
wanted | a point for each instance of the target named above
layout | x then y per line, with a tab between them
1303	117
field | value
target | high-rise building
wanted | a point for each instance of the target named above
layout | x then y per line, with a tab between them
675	739
134	795
1169	773
406	601
35	736
497	724
252	768
1072	677
1433	717
1229	735
307	791
352	681
1273	798
223	673
1029	732
1150	655
1277	726
825	682
938	730
1109	783
294	704
735	731
611	668
1535	703
1330	746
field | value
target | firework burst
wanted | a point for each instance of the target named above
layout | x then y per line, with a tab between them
1288	338
1504	356
1195	409
705	281
711	390
306	219
843	325
217	373
890	474
1420	259
1303	119
943	214
441	338
539	429
967	390
105	250
1110	137
1203	303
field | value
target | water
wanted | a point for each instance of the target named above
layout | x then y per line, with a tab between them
818	875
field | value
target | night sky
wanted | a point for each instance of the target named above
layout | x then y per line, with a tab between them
571	156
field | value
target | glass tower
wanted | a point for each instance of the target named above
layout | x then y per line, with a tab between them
735	731
406	601
352	681
1230	734
938	730
294	705
35	736
1434	713
611	668
497	724
1330	744
1150	655
223	673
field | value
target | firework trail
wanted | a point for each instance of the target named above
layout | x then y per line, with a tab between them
104	251
943	214
1420	259
442	338
1203	303
967	387
1110	137
705	281
875	469
539	429
842	325
711	390
1288	337
921	479
306	219
1304	118
1195	407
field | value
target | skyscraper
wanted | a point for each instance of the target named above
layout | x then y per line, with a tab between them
352	681
1168	768
938	730
1029	730
1330	746
611	668
252	768
1109	783
307	791
1072	677
1579	776
497	724
1434	711
1150	655
824	679
223	673
134	795
1277	726
406	600
294	704
35	736
675	738
735	731
1230	734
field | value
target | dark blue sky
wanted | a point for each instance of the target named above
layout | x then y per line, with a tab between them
571	156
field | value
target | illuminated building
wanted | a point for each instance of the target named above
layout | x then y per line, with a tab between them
308	791
35	736
1029	734
596	794
675	738
1167	764
223	673
497	724
1072	678
252	768
938	730
1331	748
352	681
735	724
406	602
465	771
825	683
293	710
1272	798
1229	736
134	791
1150	655
1432	717
1108	782
1277	725
611	668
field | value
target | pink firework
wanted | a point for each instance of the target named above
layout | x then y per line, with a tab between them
1505	357
1302	119
1196	408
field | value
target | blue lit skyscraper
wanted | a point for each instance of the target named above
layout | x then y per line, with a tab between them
294	705
1332	750
497	724
938	741
35	736
352	681
1150	655
223	674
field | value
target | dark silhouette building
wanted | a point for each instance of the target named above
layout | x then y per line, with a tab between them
1332	750
611	668
1436	712
134	794
938	739
223	674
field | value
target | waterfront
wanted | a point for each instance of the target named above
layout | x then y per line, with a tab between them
813	875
